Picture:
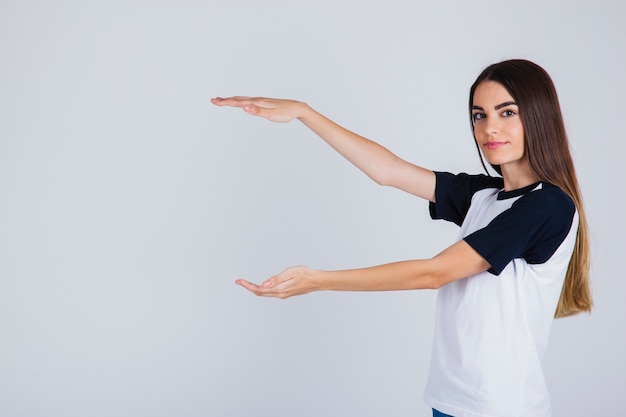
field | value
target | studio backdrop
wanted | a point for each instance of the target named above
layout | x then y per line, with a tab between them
129	204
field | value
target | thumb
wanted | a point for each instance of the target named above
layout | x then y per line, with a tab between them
255	110
269	112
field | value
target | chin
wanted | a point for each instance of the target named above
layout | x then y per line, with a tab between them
496	161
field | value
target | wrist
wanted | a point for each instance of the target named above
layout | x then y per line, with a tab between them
304	111
318	280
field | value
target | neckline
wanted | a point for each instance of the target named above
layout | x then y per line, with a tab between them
503	195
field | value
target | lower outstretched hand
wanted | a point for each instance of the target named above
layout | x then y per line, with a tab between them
292	281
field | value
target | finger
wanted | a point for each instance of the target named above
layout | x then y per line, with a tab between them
286	275
248	285
256	289
279	291
252	106
239	101
257	111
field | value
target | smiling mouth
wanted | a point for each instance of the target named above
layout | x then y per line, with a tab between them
494	145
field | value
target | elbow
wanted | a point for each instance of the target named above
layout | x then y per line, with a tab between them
435	282
430	274
379	178
385	172
383	177
436	276
431	281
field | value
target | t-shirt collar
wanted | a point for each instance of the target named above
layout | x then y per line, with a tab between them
503	195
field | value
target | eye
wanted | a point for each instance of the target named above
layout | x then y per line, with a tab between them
478	116
508	113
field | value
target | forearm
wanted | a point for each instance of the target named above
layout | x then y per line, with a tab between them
455	262
376	161
370	157
405	275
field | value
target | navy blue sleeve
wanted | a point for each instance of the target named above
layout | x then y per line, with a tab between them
533	228
453	194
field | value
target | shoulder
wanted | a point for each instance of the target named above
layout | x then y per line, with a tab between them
547	210
547	200
454	193
470	182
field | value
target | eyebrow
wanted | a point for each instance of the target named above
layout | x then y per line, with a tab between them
497	107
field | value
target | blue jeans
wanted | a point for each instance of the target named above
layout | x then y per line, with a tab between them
440	414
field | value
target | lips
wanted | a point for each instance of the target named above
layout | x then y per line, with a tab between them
494	145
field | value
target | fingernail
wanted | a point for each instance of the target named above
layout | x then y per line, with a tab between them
267	284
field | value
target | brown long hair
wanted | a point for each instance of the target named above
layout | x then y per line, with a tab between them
547	147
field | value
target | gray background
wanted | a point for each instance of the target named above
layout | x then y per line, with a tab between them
129	204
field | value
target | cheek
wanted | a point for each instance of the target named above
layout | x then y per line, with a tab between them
518	131
478	133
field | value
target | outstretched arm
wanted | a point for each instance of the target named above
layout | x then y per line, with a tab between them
377	162
456	262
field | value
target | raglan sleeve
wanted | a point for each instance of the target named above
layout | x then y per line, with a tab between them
532	228
453	194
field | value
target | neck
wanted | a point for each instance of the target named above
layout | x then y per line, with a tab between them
517	176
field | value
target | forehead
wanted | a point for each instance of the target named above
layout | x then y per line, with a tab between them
490	93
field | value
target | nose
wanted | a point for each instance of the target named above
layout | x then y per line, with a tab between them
491	126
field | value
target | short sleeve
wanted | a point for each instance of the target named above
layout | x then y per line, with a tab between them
532	228
453	194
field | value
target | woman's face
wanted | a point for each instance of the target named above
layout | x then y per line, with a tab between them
498	128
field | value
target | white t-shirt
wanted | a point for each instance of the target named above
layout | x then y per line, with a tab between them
491	329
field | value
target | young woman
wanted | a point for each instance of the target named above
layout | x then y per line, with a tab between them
522	257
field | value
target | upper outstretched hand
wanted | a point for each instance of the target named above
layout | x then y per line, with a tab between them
275	110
